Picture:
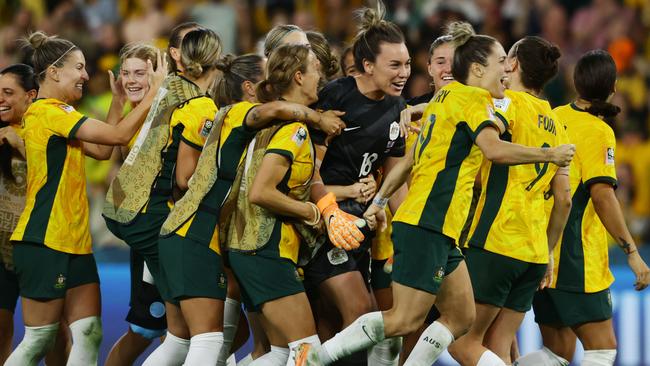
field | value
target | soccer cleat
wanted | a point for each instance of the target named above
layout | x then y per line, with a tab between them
307	355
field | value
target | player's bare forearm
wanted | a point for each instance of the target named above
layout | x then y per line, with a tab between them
397	176
610	214
561	189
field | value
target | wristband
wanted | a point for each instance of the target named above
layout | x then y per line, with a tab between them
380	201
316	220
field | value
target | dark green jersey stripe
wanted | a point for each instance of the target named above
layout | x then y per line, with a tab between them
36	228
207	216
571	272
442	192
496	188
495	191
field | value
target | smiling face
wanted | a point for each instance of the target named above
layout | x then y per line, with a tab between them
440	65
391	69
71	77
135	80
493	76
14	100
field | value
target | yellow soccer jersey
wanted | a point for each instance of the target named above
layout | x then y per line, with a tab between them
510	217
191	123
232	147
581	256
447	160
197	117
56	206
293	142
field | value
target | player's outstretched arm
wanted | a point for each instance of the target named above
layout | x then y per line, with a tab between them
610	214
263	114
503	152
561	189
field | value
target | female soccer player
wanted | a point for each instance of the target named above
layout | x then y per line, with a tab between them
18	87
340	272
577	301
459	125
515	249
441	55
190	231
273	217
146	315
163	157
53	258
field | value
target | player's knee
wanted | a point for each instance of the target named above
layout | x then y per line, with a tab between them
146	333
36	342
404	322
459	322
87	330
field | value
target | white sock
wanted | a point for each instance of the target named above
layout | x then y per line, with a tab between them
171	352
542	357
277	357
293	346
433	341
386	352
86	338
489	358
230	361
231	312
35	344
204	349
600	357
363	333
246	360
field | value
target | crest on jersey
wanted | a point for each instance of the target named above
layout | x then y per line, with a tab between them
300	136
207	126
609	158
66	108
394	131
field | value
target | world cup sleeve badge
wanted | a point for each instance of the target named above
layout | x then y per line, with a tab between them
300	136
609	158
207	126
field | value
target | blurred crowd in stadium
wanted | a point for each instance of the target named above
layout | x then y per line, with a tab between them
102	27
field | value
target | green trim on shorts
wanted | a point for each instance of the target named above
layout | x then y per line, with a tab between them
189	269
263	275
423	257
503	281
44	273
569	309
